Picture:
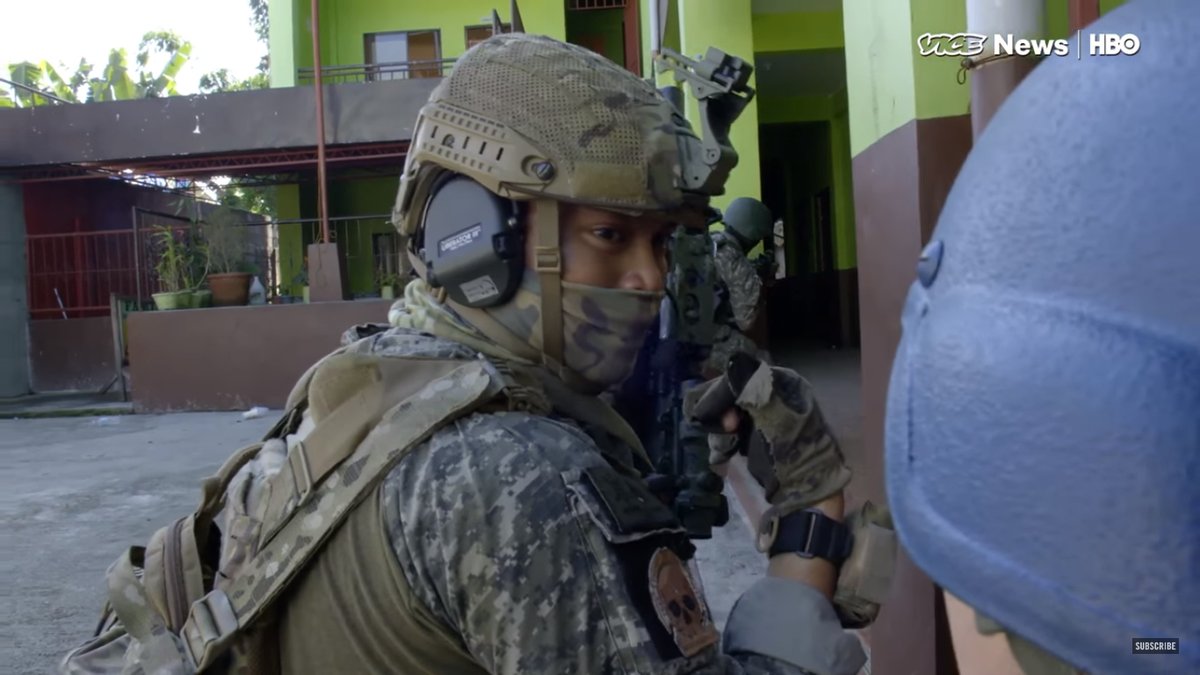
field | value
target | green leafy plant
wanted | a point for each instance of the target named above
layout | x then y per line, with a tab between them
116	80
226	239
174	262
301	278
385	279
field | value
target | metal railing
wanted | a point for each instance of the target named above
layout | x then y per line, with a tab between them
577	5
352	233
73	274
376	72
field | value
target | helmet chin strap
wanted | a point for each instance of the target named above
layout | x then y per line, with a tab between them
547	262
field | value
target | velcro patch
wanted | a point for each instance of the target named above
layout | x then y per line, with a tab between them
679	607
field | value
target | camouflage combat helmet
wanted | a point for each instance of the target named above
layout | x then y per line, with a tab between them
530	117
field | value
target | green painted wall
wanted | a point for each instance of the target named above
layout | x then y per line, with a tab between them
798	30
935	80
362	197
845	240
778	109
670	36
281	44
345	22
607	23
889	81
291	237
834	143
727	25
879	69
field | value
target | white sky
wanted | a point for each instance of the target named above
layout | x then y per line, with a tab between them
63	31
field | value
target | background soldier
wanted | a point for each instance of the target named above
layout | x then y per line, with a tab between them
747	223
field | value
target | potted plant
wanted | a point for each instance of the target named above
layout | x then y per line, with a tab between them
197	271
301	280
225	241
388	283
172	269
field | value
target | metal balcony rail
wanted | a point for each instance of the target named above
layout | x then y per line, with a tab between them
376	72
577	5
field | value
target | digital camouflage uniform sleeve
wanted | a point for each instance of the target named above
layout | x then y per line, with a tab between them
490	529
742	280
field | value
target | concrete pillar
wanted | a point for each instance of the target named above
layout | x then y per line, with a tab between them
14	311
910	130
993	80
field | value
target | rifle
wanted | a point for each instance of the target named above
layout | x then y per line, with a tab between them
678	449
686	327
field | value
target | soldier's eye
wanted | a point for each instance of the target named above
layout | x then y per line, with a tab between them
607	234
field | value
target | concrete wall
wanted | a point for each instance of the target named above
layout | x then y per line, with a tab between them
233	358
14	345
71	354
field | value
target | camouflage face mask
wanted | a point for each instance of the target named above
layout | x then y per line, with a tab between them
603	328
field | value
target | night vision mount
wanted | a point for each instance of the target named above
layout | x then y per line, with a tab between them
720	84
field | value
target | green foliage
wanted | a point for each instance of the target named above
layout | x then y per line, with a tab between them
386	279
176	260
220	80
260	17
116	82
226	236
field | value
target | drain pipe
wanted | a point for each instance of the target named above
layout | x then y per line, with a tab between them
322	198
994	76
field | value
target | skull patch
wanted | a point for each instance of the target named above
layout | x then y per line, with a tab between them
679	607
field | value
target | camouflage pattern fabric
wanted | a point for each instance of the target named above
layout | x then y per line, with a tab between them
738	308
498	532
727	342
740	279
609	138
603	328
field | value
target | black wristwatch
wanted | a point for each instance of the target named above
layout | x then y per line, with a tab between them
808	534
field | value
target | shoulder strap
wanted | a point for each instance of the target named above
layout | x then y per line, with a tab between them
216	618
345	398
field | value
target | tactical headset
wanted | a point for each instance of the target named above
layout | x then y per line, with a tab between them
472	241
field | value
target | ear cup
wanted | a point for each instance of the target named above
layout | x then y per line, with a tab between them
473	243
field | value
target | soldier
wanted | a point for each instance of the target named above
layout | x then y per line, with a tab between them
511	530
523	541
1043	433
747	223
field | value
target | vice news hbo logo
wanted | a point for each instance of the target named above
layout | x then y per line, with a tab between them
967	45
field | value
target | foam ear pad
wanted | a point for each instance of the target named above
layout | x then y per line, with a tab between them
473	244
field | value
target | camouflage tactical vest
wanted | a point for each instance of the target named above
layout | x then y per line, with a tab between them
199	599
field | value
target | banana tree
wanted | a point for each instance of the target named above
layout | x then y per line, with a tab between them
117	81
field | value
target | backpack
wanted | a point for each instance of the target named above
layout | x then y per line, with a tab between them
197	599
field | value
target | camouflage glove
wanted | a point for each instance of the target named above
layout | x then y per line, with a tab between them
808	464
721	449
865	577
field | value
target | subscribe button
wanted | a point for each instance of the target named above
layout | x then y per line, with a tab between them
1155	645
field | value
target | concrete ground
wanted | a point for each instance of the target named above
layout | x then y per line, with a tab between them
76	491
